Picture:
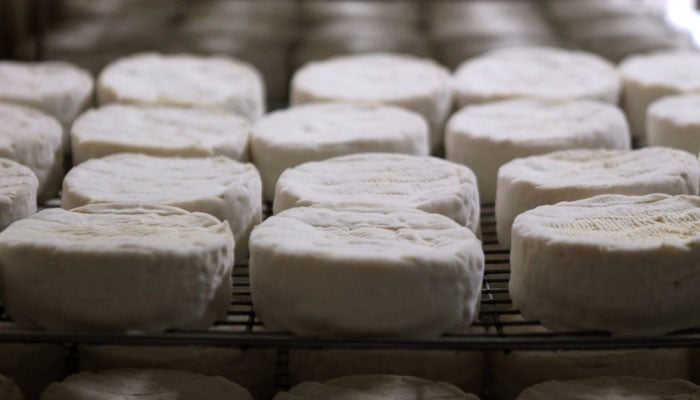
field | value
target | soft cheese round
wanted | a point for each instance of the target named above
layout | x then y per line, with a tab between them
674	121
649	77
137	384
426	183
417	84
526	183
33	139
8	390
229	190
380	387
160	131
313	132
536	72
59	89
566	260
116	267
386	11
358	270
484	137
215	82
612	388
18	186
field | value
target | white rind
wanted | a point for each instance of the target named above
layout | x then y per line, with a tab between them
380	387
116	267
359	270
139	384
159	131
543	73
426	183
612	388
569	258
18	186
484	137
526	183
674	121
649	77
314	132
8	390
33	139
215	83
416	84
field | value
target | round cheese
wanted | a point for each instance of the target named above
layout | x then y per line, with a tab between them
413	83
33	139
229	190
484	137
578	11
526	183
612	388
674	121
380	387
536	72
8	390
159	131
567	259
290	137
135	384
426	183
385	11
215	83
18	186
649	77
116	267
355	270
59	89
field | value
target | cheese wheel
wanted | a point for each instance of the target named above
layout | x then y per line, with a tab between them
426	183
215	83
32	367
135	384
18	186
380	387
568	258
387	11
253	369
674	121
356	270
58	89
290	137
8	390
612	388
413	83
536	72
452	52
159	131
526	183
229	190
577	11
64	269
649	77
33	139
484	137
512	373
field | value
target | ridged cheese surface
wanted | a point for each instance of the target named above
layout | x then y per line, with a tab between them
18	186
425	183
674	121
613	388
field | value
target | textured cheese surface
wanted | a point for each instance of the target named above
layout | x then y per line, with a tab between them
145	384
33	139
426	183
613	388
649	77
8	390
18	186
526	183
674	121
162	131
226	189
417	84
167	267
314	132
536	72
484	137
360	270
390	11
217	82
567	258
379	387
